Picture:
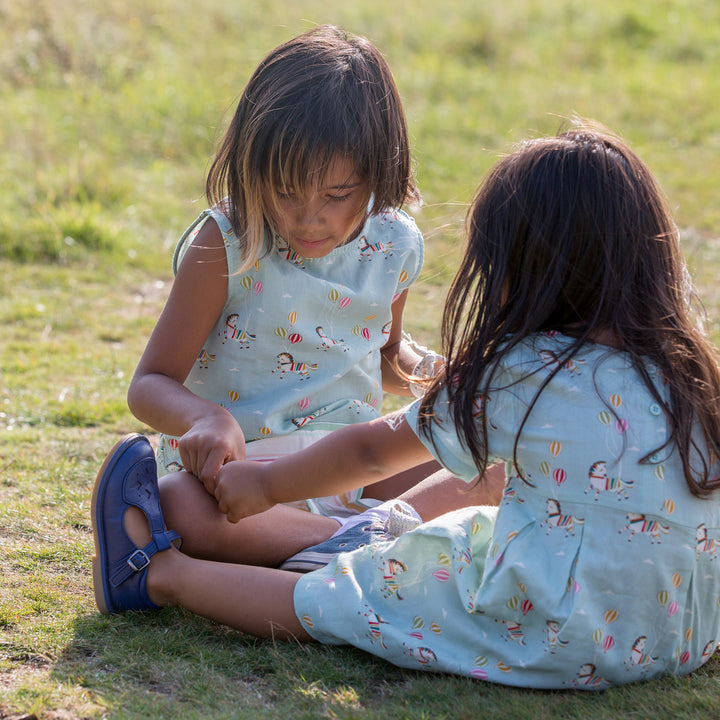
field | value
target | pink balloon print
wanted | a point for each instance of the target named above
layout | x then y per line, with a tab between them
303	404
365	333
258	287
344	302
295	338
684	657
672	608
559	476
442	575
621	426
608	642
479	673
526	607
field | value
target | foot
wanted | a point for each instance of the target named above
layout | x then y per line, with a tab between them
127	482
400	519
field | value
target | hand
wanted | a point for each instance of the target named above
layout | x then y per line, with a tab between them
210	443
241	490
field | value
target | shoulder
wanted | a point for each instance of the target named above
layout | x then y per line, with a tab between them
396	224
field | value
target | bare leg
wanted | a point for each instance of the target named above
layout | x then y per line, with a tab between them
442	492
396	485
255	600
265	539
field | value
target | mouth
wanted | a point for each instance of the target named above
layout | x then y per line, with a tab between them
311	242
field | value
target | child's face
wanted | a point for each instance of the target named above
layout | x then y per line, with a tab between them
323	215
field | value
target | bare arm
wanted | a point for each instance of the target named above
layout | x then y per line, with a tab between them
349	458
209	435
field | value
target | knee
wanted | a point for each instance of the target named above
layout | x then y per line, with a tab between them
181	496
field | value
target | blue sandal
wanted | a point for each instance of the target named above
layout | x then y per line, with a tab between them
128	477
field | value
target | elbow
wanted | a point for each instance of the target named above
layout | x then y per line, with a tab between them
134	396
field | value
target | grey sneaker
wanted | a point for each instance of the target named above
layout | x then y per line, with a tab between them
401	519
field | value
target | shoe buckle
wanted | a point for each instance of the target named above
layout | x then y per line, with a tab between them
138	561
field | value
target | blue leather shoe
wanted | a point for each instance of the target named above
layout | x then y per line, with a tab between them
128	477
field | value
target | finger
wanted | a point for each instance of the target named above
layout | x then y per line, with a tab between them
211	465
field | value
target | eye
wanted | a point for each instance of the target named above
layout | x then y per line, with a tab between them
338	198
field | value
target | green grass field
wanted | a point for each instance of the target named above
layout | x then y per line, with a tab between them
108	118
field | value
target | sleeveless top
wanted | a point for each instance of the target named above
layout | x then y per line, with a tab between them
298	342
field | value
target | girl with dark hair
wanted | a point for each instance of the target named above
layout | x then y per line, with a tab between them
284	321
575	357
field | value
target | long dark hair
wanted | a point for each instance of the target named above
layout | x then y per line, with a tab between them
318	96
573	234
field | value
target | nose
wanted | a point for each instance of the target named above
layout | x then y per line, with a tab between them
309	209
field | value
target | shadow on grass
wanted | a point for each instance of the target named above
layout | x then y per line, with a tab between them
172	664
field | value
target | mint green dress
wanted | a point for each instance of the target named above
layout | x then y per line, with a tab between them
599	569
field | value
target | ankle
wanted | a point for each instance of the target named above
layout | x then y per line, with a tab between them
159	580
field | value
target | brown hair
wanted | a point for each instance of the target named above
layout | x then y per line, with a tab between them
572	234
320	95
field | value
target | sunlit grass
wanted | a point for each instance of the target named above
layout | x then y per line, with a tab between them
109	114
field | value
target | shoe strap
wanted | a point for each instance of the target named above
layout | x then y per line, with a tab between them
139	559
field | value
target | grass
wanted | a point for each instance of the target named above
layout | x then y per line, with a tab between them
109	115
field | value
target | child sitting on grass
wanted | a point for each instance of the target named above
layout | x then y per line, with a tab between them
574	357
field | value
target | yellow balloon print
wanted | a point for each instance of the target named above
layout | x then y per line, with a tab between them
610	616
615	400
233	395
292	317
555	448
676	580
